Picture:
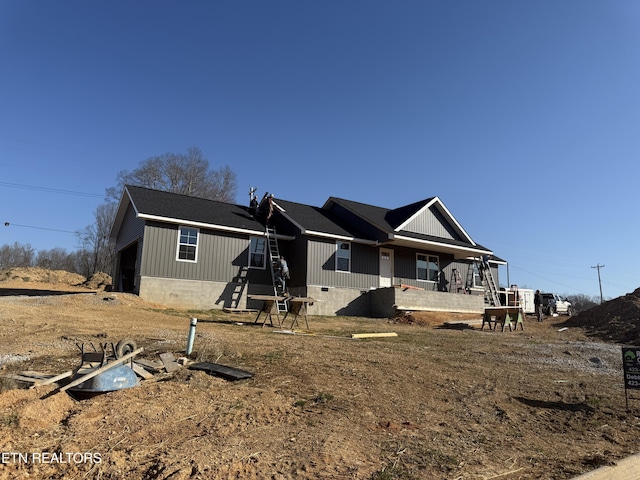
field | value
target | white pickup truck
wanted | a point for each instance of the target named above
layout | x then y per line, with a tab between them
554	303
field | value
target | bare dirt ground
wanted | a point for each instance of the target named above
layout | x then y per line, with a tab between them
431	403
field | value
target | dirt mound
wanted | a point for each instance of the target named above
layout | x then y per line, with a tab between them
98	281
41	275
31	411
616	320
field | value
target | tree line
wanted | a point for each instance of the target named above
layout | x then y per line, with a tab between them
186	174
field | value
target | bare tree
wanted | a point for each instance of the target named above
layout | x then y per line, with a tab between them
97	252
581	302
16	255
55	259
186	174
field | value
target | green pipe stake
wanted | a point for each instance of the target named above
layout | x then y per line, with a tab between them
192	335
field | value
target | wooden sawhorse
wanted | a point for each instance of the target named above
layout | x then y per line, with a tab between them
299	308
507	316
269	308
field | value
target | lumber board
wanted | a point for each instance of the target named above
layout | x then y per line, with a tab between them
153	366
98	371
21	378
239	310
169	362
34	374
53	379
140	371
374	335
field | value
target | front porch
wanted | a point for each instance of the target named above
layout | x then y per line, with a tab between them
386	302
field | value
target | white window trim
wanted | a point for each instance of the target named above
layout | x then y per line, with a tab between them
476	276
197	245
428	257
264	255
338	243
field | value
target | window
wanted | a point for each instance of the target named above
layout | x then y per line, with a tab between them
188	244
427	267
477	278
343	257
257	252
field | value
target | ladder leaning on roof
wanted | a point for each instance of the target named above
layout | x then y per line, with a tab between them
489	284
274	258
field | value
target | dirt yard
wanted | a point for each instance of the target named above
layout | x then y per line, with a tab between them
434	402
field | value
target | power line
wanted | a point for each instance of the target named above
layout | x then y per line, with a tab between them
52	190
7	224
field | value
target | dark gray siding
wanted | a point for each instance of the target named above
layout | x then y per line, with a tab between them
321	265
220	256
432	222
132	229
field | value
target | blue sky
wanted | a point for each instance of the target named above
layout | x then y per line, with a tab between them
522	116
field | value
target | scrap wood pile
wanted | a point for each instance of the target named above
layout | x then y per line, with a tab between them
144	369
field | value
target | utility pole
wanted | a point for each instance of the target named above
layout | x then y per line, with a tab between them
598	266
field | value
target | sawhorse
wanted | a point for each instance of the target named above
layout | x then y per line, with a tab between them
269	308
299	307
507	316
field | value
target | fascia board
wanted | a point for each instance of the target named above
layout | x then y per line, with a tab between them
334	236
125	201
436	201
207	225
415	215
440	244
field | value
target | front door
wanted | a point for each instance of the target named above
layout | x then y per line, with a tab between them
386	267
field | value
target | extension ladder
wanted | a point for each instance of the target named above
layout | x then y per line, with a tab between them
274	257
490	288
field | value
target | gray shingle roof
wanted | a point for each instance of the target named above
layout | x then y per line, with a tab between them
177	207
319	220
384	218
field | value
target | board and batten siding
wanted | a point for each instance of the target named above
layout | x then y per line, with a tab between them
220	257
431	222
132	229
321	266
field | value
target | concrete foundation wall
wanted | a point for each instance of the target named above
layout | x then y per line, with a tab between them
186	294
380	303
409	299
338	301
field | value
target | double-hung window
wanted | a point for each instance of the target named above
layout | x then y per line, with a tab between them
427	267
343	256
257	252
188	244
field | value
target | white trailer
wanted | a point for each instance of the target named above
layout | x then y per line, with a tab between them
527	296
524	298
